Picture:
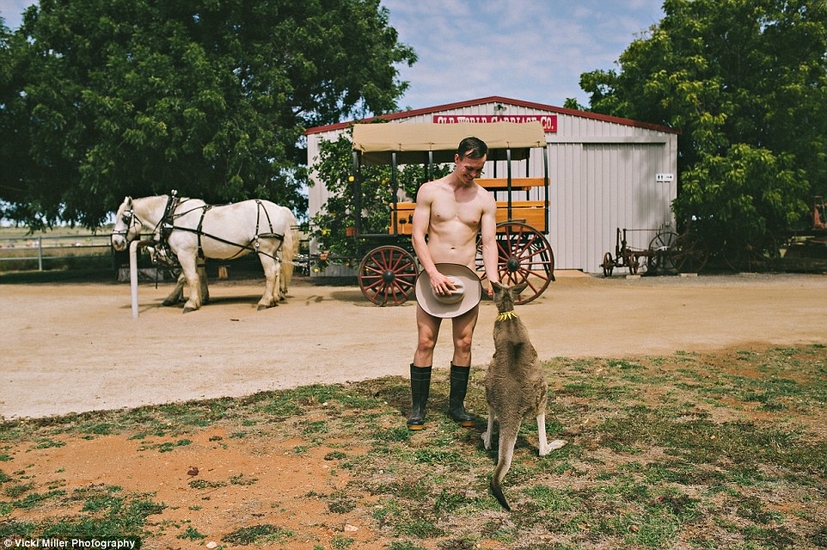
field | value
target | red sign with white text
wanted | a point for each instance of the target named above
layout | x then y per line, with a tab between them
549	121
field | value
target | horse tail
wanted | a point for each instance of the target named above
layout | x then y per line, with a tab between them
289	249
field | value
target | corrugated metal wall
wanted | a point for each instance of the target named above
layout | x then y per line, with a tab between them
603	177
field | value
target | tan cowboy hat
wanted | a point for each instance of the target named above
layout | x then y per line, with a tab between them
462	300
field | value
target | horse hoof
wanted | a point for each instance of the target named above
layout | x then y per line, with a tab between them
168	303
188	309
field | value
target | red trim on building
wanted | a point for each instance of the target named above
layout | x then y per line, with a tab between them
495	99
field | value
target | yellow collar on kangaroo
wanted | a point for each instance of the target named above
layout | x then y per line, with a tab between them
506	315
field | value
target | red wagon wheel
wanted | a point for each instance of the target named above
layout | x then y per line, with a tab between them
524	255
387	275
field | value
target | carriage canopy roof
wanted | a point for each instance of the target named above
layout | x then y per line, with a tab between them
413	141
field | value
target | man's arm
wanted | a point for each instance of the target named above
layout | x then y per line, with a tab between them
488	235
419	230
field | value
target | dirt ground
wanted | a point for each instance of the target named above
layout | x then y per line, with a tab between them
76	347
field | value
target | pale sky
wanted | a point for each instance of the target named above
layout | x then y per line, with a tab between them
531	50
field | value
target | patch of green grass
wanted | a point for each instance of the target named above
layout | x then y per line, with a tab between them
18	489
34	500
404	545
341	502
191	534
257	534
167	446
241	479
103	515
202	484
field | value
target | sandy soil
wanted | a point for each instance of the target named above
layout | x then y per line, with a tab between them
76	347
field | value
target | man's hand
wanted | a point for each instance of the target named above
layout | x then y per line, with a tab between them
441	284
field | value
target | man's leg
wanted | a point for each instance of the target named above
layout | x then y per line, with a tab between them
463	333
420	388
427	331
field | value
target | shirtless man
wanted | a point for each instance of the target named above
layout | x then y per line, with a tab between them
451	211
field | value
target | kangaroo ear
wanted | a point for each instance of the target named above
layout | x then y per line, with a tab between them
517	289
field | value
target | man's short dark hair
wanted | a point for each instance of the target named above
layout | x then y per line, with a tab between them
472	147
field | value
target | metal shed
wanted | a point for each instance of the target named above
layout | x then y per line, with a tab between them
605	172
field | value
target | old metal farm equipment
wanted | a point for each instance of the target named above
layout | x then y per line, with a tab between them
668	253
811	244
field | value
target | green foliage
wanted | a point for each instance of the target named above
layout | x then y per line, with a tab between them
256	534
102	98
746	82
741	198
334	166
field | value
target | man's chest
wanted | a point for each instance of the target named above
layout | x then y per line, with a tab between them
452	211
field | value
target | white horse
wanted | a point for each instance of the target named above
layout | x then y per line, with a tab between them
177	294
192	229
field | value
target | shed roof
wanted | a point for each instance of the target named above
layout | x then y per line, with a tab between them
403	115
413	141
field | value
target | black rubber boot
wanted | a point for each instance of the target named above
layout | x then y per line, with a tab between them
420	388
459	386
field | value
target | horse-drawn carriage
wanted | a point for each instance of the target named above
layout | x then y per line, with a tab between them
387	272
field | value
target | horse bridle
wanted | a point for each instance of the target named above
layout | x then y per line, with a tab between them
164	225
130	220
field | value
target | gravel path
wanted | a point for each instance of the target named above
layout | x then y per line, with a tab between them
75	347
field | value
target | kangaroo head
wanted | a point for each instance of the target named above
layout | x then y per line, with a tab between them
504	295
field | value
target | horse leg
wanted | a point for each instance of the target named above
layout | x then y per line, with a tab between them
272	271
202	277
177	294
286	255
190	271
284	280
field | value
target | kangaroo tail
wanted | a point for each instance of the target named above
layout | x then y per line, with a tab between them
497	491
506	452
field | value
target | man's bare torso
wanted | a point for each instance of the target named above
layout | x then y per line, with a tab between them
455	214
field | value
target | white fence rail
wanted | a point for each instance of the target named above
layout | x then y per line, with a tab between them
28	248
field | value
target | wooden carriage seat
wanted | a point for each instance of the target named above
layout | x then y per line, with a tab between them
517	184
404	217
529	212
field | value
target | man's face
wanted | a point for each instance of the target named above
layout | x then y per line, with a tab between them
468	168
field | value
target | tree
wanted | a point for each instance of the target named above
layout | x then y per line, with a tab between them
746	82
138	97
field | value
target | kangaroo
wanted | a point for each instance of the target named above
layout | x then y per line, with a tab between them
514	387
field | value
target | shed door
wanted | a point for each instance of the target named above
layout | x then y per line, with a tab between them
621	192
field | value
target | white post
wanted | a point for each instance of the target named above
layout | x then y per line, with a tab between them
133	273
